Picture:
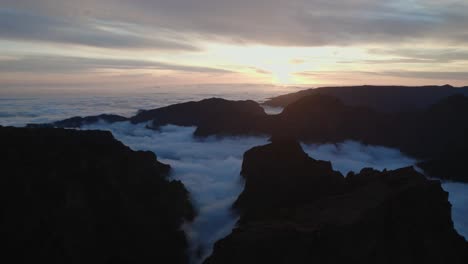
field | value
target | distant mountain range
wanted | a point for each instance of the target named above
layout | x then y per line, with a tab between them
430	133
381	98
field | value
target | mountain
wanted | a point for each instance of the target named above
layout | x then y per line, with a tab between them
70	196
371	217
380	98
429	134
212	116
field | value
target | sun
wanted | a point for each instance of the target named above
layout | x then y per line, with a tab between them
282	76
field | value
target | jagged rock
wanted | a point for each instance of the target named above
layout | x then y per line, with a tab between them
371	217
267	171
78	121
72	196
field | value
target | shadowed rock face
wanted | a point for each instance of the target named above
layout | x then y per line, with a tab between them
212	116
324	119
83	197
372	217
267	171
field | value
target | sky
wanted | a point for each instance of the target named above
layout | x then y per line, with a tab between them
145	43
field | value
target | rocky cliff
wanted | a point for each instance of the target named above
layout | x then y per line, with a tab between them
72	196
371	217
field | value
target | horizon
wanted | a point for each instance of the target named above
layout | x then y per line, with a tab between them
221	131
52	45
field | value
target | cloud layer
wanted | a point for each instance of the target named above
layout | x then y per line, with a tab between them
209	168
274	22
353	156
316	42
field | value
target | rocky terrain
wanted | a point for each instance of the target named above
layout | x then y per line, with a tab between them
295	209
429	134
72	196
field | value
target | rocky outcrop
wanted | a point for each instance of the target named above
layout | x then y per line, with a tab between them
212	116
72	196
78	121
267	172
371	217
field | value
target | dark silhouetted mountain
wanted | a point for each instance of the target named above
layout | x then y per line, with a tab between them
78	121
212	116
276	162
323	118
72	196
380	98
429	133
372	217
451	166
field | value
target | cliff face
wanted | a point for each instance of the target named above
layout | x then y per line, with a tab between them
371	217
83	197
267	172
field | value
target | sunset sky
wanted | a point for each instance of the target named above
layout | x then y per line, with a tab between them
142	43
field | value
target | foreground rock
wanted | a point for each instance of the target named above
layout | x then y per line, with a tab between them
268	187
212	116
371	217
83	197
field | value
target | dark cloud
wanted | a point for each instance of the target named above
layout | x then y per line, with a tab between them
63	64
275	22
21	25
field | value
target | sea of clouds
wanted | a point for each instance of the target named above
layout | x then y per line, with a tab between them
353	156
210	169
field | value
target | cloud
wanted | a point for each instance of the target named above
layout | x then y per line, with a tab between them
458	197
275	22
209	168
26	25
63	64
353	156
433	75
